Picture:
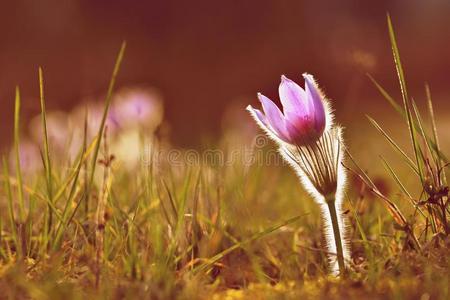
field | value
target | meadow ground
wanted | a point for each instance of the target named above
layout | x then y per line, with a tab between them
127	215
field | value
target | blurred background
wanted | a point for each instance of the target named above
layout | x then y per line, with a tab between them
206	56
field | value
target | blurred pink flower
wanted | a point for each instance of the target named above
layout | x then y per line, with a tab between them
131	110
137	107
57	130
92	112
29	157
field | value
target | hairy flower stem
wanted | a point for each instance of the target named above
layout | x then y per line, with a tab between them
337	234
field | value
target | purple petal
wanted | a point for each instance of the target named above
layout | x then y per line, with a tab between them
315	103
293	98
303	131
259	115
293	132
274	116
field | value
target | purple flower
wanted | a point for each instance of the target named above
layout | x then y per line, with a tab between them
312	146
303	120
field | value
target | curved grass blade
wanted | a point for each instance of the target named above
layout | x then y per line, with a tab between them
65	220
11	216
392	208
437	147
387	96
400	110
210	262
391	141
85	156
106	110
422	131
404	91
401	186
60	191
180	217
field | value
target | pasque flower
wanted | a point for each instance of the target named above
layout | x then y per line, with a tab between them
312	145
304	118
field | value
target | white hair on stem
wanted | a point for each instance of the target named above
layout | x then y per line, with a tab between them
321	172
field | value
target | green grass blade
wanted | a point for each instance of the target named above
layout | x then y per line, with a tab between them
3	254
360	170
396	147
387	96
46	154
180	217
391	207
105	111
400	110
211	261
17	156
396	178
63	224
398	63
405	97
11	216
60	192
435	133
367	247
422	131
401	185
173	205
86	164
195	223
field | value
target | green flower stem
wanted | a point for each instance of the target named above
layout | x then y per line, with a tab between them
337	235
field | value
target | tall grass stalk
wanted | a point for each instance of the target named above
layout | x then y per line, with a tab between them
105	111
47	163
22	214
11	215
100	220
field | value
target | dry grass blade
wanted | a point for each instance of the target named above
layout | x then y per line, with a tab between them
17	156
11	216
66	220
405	97
386	95
435	133
213	260
396	147
84	156
392	208
400	110
106	110
422	131
402	187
